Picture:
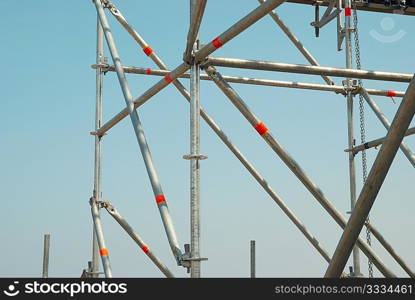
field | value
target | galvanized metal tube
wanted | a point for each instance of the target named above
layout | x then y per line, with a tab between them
138	128
197	8
374	182
195	169
130	231
293	165
350	130
46	248
404	147
255	81
376	142
297	42
237	28
103	251
97	194
253	275
304	69
229	34
251	169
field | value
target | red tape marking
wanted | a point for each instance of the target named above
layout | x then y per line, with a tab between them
148	71
145	249
348	11
160	199
168	78
261	128
391	93
217	43
103	252
148	51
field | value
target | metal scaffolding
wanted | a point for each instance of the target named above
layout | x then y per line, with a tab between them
196	58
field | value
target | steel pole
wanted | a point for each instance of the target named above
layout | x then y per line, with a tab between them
350	130
46	248
292	164
304	69
296	42
251	169
376	142
130	231
103	251
218	42
194	157
374	182
254	81
139	131
253	275
404	147
197	8
97	194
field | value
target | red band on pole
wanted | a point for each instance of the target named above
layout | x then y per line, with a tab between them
261	128
148	71
160	199
348	11
217	43
103	252
391	93
148	51
145	249
168	78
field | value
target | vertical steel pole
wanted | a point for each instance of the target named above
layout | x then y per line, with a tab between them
253	259
350	129
98	243
141	139
374	182
194	160
97	194
46	247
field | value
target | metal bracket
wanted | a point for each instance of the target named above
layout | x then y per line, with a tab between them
186	259
195	156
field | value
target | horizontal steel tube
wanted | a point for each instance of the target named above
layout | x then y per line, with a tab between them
304	69
253	81
375	143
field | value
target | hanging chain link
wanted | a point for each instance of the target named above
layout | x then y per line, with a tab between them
362	125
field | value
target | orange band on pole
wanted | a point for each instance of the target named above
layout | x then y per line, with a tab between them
145	249
103	252
160	199
148	51
217	43
391	93
168	78
261	128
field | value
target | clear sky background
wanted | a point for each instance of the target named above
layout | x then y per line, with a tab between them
46	152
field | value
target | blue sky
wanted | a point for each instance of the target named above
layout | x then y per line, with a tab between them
46	153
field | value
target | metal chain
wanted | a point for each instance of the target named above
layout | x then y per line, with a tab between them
362	124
